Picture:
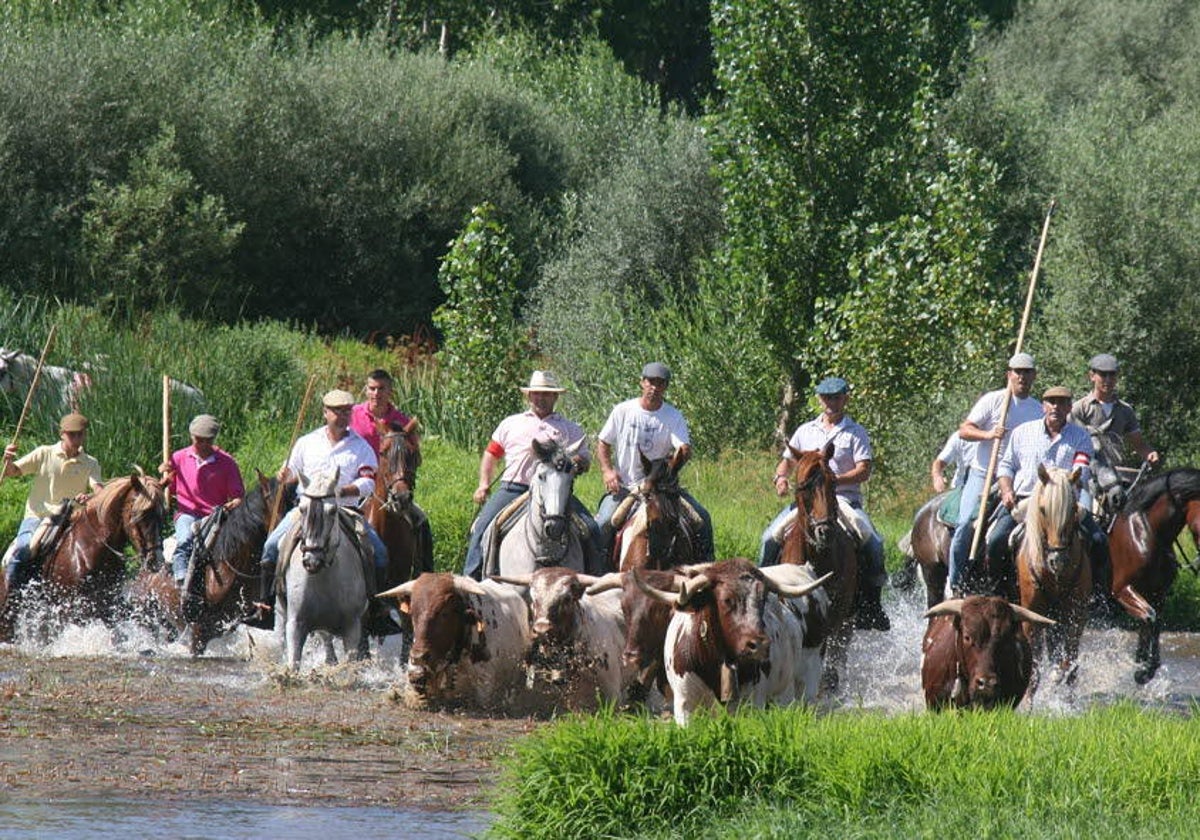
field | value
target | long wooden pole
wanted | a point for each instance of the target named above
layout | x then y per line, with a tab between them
166	431
991	468
274	518
37	375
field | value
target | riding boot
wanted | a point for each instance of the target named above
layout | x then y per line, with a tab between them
869	614
258	617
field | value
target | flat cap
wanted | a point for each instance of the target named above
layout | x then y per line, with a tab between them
73	422
831	385
1021	361
337	398
1058	392
204	426
1103	363
656	370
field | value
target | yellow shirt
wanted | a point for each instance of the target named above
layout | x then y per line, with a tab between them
56	477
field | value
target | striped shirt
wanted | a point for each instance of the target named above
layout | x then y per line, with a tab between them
1031	445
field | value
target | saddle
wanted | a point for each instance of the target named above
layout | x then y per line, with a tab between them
50	530
353	527
947	512
506	520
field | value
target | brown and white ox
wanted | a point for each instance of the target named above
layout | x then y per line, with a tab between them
574	659
733	639
976	653
469	641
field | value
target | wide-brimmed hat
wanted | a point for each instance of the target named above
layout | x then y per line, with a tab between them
1058	392
73	422
543	381
1021	361
656	370
831	385
1103	363
337	398
204	426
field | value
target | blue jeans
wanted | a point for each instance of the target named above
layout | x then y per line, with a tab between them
964	532
768	548
18	570
270	552
505	494
184	536
873	571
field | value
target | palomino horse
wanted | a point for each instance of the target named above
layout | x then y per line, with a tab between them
87	565
543	533
1141	547
323	584
391	510
222	574
1054	576
818	539
657	532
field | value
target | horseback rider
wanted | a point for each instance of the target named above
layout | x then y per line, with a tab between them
645	426
512	441
1051	441
982	426
957	453
1104	414
201	478
378	406
851	466
61	472
334	446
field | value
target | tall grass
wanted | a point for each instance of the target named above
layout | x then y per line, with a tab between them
1113	772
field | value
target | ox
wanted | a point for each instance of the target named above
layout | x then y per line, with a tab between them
16	375
469	641
575	658
732	639
975	653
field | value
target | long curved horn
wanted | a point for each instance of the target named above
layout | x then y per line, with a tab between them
950	607
469	585
586	580
515	580
612	580
792	590
1032	617
672	598
404	590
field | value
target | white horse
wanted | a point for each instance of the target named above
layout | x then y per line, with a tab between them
324	580
544	534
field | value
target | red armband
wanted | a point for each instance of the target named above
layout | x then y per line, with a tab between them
494	449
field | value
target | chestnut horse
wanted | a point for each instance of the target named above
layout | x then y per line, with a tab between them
657	533
87	565
818	538
1141	547
928	551
391	510
1054	576
222	574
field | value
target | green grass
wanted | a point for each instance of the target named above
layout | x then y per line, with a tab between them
1111	772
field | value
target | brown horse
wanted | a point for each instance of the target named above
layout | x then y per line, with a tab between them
657	532
1054	576
1141	546
391	511
86	567
222	574
818	538
928	551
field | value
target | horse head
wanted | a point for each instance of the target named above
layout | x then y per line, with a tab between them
816	499
552	485
1053	515
399	459
1107	488
143	517
660	492
318	519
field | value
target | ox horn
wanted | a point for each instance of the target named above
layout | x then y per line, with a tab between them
612	580
1032	617
794	590
468	585
950	607
675	599
515	580
404	590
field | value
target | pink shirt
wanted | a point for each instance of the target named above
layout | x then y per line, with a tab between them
201	485
363	422
513	441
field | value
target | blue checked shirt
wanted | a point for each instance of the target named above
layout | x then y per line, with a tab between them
1031	445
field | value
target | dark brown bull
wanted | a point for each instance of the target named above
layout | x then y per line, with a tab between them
976	653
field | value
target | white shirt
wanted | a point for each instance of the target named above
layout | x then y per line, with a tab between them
352	457
632	431
851	444
959	454
985	414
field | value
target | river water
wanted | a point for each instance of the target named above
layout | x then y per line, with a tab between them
882	675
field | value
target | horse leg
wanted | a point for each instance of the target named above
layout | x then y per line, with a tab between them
294	635
935	576
1148	655
331	653
1135	604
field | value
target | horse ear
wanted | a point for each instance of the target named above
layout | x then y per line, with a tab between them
795	452
303	479
411	426
543	449
1043	476
1075	475
828	453
574	448
646	464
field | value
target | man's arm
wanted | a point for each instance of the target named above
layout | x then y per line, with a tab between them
612	481
937	473
487	469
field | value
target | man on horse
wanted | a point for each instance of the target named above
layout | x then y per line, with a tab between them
334	446
851	466
982	426
957	453
1051	441
378	407
1103	413
201	478
61	472
512	441
645	426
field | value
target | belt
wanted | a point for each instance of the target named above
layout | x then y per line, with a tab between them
513	487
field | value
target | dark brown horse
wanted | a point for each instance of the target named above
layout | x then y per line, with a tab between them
86	568
657	532
222	574
391	511
1054	576
1142	548
928	551
818	538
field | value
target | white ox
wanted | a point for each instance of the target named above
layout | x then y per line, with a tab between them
734	640
469	642
575	658
16	375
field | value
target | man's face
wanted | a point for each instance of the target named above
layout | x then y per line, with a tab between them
1105	383
202	445
72	442
379	393
833	405
1020	381
542	402
653	391
1056	410
338	418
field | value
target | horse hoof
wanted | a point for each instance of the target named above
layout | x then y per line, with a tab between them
1143	675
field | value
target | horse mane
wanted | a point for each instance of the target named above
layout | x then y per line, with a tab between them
244	525
1183	483
1059	497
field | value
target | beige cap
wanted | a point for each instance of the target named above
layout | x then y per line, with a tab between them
337	398
204	426
73	422
1058	392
